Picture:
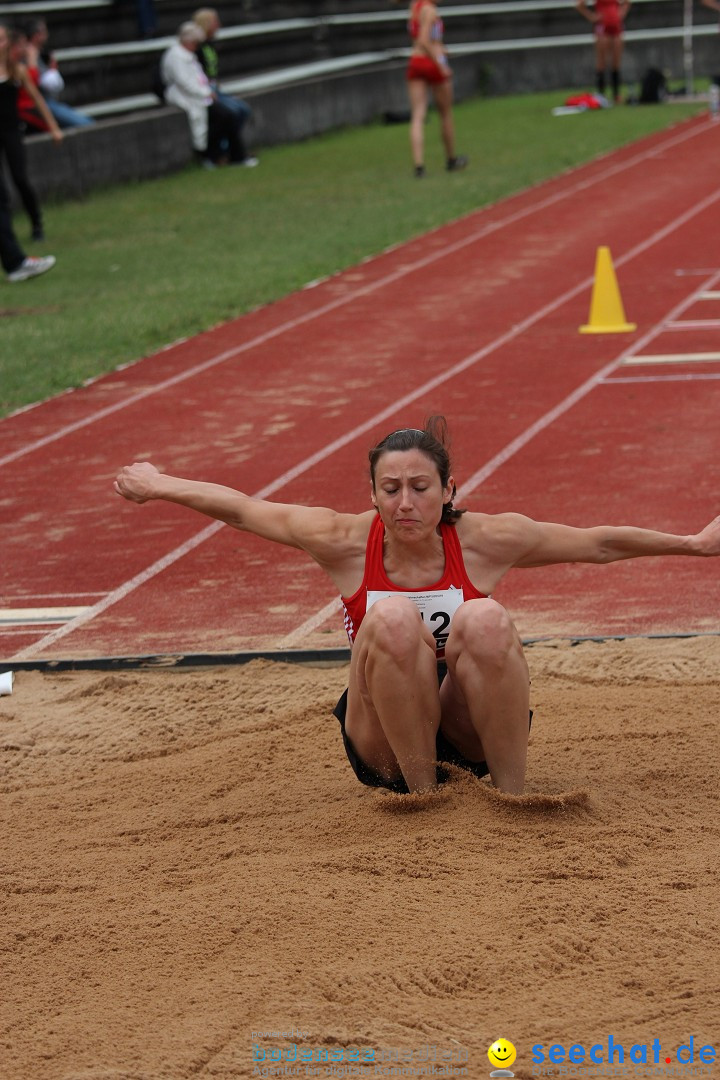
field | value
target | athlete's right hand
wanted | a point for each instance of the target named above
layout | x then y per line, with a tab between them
137	482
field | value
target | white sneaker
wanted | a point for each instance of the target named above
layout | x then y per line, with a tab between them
31	267
250	162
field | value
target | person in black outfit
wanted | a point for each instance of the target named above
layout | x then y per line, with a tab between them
13	75
13	259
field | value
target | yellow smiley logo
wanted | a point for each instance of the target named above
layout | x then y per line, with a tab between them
501	1054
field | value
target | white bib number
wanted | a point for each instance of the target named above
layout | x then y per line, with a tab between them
436	609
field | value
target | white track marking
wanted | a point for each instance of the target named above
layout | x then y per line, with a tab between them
25	616
359	293
695	377
674	358
316	620
601	377
38	596
695	324
321	455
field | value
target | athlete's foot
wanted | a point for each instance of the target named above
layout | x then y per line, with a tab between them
419	172
454	164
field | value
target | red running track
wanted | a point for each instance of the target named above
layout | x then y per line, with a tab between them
478	320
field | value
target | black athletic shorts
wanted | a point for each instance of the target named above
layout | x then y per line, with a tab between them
445	751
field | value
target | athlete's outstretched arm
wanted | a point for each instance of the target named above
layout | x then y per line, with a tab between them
307	527
522	542
608	543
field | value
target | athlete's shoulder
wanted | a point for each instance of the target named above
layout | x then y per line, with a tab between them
489	533
337	535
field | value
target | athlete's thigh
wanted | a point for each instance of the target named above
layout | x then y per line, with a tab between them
362	721
443	94
602	44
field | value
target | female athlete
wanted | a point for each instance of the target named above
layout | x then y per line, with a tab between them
428	69
607	17
437	670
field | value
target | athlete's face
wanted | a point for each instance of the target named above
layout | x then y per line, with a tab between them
408	492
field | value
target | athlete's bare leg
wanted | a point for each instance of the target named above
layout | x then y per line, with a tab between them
616	48
443	95
602	55
485	698
417	90
393	701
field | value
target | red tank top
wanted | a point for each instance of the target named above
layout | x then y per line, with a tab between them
437	603
436	31
609	12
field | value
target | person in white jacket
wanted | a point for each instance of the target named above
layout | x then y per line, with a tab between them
186	84
213	126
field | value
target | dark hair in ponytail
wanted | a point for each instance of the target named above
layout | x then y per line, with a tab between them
434	442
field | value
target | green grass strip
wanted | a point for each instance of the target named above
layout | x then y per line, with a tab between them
143	265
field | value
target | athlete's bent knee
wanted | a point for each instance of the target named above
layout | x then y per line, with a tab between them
483	629
394	626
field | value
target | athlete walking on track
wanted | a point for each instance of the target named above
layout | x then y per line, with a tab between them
428	70
437	670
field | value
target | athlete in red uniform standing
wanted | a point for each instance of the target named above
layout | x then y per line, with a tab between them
416	576
607	17
428	69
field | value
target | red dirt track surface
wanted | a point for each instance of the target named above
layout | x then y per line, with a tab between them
478	320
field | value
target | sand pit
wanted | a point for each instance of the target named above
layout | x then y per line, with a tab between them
189	863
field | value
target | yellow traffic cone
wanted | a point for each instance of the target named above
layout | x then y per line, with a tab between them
607	315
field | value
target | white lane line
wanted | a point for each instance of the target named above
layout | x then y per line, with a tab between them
694	377
695	324
601	377
316	620
711	295
363	291
39	596
674	358
321	455
24	616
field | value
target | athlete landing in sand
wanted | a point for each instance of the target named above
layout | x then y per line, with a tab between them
437	670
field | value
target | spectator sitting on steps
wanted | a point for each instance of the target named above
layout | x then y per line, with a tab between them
213	127
50	81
